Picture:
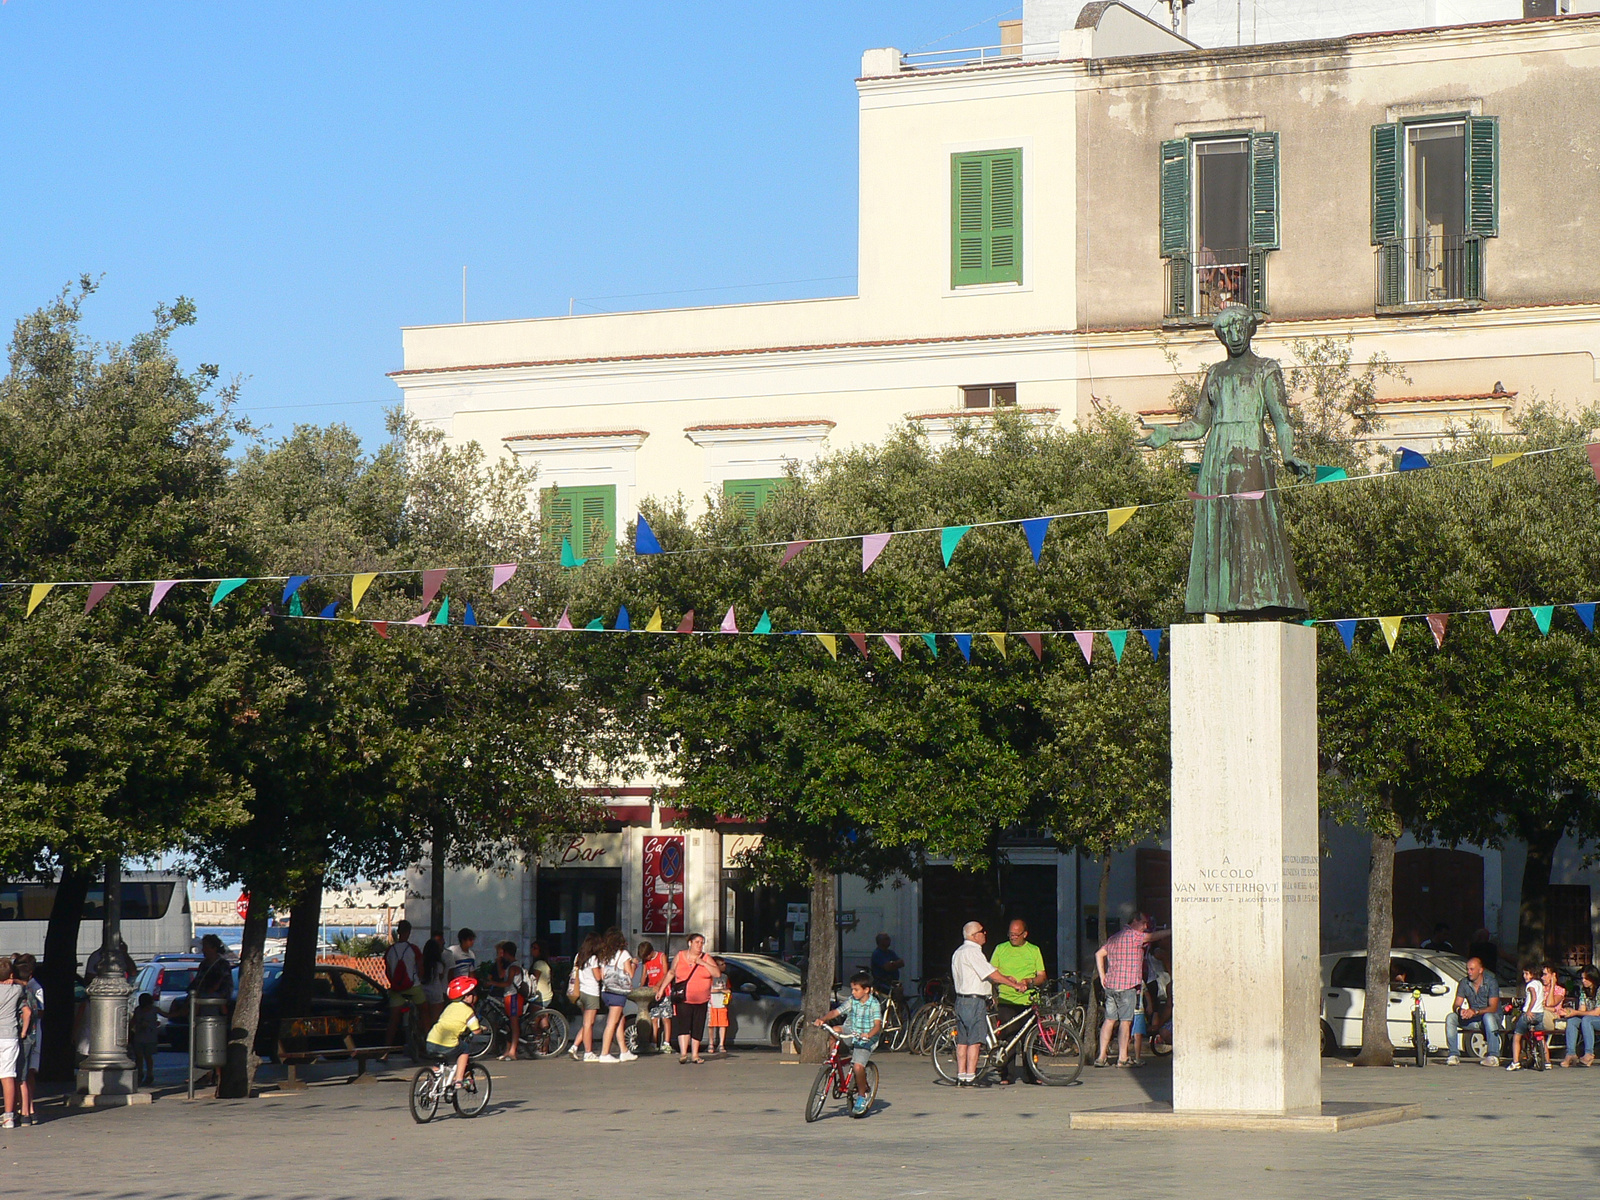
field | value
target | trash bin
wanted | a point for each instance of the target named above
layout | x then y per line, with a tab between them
209	1033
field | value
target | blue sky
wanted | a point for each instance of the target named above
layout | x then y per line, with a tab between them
315	176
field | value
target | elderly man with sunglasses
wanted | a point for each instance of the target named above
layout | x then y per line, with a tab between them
972	976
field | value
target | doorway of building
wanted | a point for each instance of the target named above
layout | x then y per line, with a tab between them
1434	886
759	919
1568	936
951	898
572	903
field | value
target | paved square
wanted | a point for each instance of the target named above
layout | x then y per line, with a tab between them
734	1129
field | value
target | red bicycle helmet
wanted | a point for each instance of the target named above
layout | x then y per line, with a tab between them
464	986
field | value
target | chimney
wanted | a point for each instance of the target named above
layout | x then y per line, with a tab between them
1010	37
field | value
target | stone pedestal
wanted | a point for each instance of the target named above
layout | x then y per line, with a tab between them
1245	910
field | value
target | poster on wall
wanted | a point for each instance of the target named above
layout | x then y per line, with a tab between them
664	894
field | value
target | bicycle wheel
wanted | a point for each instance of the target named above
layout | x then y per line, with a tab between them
894	1026
473	1092
1053	1052
424	1096
819	1094
544	1033
914	1028
944	1051
872	1090
488	1037
1419	1038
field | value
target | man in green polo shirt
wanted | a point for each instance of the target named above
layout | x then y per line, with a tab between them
1020	959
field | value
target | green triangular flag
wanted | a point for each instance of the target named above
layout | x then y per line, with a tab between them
597	623
949	538
225	589
1118	639
568	558
933	644
294	606
764	625
1541	616
1330	474
444	612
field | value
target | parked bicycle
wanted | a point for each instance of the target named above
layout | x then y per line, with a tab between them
432	1086
544	1032
837	1080
933	1012
1049	1047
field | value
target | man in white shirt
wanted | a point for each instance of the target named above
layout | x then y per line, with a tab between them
971	976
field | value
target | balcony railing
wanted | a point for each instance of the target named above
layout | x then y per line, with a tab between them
1430	270
1198	293
976	56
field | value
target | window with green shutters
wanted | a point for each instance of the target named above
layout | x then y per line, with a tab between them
748	495
1220	216
1435	199
585	515
986	218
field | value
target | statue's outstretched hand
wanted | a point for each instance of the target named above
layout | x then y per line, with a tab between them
1156	438
1300	467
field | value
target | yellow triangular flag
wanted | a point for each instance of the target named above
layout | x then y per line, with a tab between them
1116	518
1391	629
1500	460
831	643
999	640
358	588
653	625
505	620
39	592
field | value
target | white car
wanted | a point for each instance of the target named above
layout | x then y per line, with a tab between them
1436	973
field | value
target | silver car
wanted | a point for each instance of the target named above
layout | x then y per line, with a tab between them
766	1000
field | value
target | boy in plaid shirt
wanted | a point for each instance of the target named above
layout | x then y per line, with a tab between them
862	1019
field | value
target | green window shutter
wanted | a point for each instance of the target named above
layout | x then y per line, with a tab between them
1388	187
1483	176
1264	204
1472	268
1391	272
748	495
1258	281
1174	197
986	218
585	515
1180	286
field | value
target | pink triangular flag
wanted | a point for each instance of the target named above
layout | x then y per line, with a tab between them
97	593
1085	640
502	573
894	643
432	581
1036	643
1497	617
1437	622
1594	458
421	618
860	639
1249	495
687	624
872	545
792	549
159	592
565	622
729	625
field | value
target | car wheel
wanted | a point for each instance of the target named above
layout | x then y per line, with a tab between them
1477	1044
1330	1044
785	1034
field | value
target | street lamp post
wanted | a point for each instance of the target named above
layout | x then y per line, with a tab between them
106	1075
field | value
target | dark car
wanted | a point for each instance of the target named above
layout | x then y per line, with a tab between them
335	992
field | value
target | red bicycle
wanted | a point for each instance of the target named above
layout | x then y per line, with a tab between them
837	1081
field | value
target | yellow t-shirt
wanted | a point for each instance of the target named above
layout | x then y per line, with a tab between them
453	1024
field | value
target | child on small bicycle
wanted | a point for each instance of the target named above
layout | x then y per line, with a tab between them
454	1022
862	1019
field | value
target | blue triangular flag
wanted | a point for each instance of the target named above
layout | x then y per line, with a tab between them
623	622
1586	615
644	538
294	585
1410	460
1035	528
471	618
933	644
964	644
1347	630
328	612
1153	636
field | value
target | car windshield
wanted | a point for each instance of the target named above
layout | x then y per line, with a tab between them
774	969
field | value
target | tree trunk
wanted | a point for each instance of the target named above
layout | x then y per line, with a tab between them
1532	915
1376	1048
1104	900
238	1077
820	955
300	950
58	975
441	846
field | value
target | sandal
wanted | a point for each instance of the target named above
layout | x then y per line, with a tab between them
699	1062
682	1058
1100	1062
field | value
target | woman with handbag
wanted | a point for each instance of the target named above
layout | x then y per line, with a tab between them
616	980
690	988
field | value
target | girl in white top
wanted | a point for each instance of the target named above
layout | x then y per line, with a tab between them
616	967
588	969
1531	1018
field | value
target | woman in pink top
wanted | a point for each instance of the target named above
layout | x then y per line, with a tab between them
694	969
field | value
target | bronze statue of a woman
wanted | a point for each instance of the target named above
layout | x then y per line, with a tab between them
1240	561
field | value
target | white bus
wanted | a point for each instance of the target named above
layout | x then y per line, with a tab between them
155	916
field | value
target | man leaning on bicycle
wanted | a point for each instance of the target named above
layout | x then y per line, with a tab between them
862	1019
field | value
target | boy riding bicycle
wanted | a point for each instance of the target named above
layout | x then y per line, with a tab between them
457	1018
862	1019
